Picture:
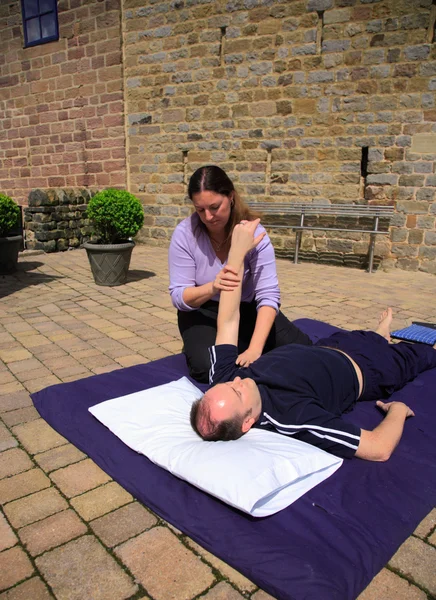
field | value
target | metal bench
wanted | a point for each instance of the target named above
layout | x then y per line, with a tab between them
368	219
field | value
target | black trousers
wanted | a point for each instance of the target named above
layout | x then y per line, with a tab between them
198	331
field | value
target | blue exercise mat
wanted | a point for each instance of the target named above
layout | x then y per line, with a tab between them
329	544
416	333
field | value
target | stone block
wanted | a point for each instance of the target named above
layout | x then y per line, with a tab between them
382	179
316	5
339	15
416	236
398	235
411	180
420	52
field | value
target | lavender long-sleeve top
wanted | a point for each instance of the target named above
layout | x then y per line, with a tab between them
193	262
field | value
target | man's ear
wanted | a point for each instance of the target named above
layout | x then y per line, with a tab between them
247	424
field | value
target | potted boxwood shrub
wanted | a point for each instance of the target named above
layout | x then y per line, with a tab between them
116	216
9	242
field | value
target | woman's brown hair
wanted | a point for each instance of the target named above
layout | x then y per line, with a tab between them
211	178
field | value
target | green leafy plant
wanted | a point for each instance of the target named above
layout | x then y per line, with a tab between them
9	215
116	215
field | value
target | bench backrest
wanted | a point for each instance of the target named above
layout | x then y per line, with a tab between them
310	208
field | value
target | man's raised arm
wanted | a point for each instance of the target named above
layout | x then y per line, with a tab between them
243	241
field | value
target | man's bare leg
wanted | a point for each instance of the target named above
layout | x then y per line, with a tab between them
384	326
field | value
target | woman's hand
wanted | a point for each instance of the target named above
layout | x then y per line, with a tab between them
243	239
249	356
226	280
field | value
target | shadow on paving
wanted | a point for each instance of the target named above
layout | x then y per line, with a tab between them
23	277
138	275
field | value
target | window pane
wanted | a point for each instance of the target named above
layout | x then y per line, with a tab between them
33	31
30	8
48	25
45	6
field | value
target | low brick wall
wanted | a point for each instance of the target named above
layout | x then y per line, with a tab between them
56	219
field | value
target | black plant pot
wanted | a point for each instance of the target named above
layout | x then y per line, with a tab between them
9	248
109	262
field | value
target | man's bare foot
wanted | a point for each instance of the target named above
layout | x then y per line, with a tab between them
384	326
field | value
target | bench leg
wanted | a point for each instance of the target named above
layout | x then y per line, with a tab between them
297	245
371	253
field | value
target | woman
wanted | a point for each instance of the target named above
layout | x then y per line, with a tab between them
198	274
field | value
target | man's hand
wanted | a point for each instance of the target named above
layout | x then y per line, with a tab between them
379	443
386	406
249	356
226	280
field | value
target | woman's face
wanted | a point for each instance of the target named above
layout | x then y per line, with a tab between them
213	209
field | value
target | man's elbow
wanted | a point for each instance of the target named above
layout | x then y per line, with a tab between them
374	455
372	448
382	456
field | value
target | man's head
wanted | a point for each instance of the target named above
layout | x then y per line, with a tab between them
227	410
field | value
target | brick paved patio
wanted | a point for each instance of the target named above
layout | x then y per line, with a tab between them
67	531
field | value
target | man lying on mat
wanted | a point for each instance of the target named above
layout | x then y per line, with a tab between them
303	390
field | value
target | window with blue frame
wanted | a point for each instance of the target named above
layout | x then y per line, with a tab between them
40	21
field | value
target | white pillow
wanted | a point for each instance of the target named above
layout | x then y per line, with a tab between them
261	473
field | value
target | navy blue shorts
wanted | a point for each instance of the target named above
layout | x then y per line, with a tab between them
385	367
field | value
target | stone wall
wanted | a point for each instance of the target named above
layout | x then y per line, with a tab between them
61	103
55	219
331	100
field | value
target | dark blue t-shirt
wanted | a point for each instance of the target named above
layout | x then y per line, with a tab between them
304	392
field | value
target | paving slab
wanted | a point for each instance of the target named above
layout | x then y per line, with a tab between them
223	591
417	561
85	561
56	458
23	484
6	438
166	569
101	500
21	415
52	531
14	566
241	582
38	436
14	461
34	507
387	585
32	589
7	536
79	477
122	524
